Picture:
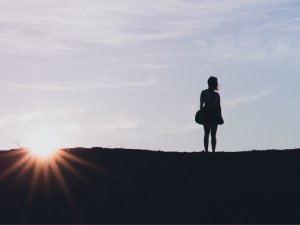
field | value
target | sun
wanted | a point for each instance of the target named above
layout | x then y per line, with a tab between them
43	152
44	144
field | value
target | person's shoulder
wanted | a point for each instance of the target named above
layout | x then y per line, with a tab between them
217	94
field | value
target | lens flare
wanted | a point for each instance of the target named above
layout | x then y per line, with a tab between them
43	152
46	165
44	145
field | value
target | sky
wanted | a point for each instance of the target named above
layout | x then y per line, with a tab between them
115	73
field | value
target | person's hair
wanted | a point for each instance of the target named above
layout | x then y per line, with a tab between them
213	83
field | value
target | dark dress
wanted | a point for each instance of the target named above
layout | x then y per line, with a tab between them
212	107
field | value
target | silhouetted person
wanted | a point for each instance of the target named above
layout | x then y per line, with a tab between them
211	106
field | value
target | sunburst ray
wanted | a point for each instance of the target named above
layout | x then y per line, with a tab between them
72	169
42	169
15	166
29	164
34	181
83	162
61	181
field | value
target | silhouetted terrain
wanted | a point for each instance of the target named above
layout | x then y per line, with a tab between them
135	186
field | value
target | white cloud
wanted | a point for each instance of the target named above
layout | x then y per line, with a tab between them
65	110
45	87
293	102
157	66
117	123
172	127
180	121
21	117
70	128
242	99
98	82
28	116
110	82
57	27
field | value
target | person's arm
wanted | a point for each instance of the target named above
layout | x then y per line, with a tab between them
220	110
219	104
201	100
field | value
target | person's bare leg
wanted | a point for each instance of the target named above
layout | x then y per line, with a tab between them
206	136
214	137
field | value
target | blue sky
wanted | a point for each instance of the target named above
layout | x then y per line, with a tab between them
129	73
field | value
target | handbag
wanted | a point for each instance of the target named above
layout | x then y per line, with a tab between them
221	121
199	117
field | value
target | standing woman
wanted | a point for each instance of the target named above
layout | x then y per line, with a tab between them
211	106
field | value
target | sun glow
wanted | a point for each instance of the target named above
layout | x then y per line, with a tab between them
44	144
43	152
47	167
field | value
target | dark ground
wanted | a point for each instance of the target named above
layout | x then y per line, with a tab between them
138	186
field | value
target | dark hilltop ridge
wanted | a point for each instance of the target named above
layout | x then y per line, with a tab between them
100	185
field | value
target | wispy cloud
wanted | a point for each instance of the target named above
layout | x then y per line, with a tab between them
20	117
28	116
59	27
156	66
70	128
110	82
172	127
250	48
45	87
293	102
242	99
297	118
179	122
116	123
96	83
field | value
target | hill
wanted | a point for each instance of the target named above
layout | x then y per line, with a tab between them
100	185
